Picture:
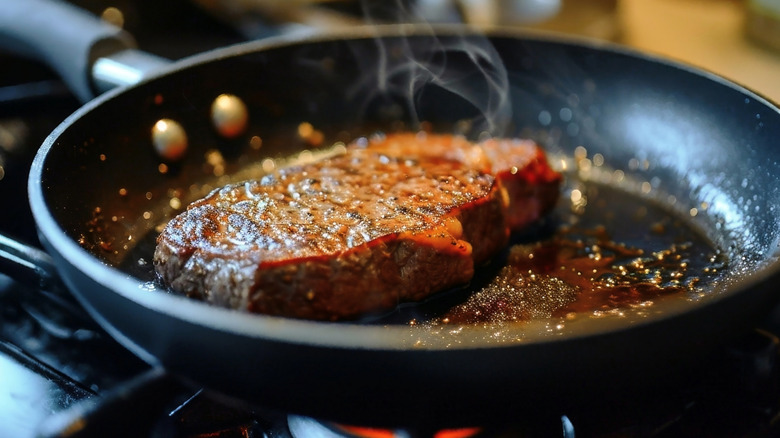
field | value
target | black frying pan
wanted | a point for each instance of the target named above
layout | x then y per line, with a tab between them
691	136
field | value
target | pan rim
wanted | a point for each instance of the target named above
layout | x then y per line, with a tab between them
316	333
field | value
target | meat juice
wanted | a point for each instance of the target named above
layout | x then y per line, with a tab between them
583	269
622	252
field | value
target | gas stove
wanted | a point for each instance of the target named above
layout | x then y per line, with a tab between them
62	375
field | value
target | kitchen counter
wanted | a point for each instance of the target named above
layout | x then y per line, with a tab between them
704	33
708	34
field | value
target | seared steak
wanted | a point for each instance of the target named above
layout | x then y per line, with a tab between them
393	219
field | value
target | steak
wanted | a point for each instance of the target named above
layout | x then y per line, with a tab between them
393	219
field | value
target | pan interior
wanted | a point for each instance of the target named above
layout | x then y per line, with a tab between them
675	150
595	200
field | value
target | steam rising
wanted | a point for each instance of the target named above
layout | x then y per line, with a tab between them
412	70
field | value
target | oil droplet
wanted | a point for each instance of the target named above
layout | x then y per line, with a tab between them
256	142
305	129
306	156
169	139
268	165
215	159
545	118
229	115
114	16
312	136
585	165
565	114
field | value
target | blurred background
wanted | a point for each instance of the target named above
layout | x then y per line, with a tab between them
737	39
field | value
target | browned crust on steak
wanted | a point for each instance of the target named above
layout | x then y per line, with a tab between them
522	169
394	221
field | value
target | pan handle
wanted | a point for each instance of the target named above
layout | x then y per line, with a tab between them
89	54
26	264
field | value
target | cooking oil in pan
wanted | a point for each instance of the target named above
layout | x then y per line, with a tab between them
616	253
620	254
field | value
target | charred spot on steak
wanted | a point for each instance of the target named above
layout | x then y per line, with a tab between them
391	221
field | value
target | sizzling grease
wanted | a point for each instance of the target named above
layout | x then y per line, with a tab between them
577	271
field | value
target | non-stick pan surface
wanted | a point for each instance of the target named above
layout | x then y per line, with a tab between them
98	194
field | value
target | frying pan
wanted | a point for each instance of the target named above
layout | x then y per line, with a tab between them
97	193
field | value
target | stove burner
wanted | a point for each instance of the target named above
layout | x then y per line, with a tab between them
304	427
301	427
